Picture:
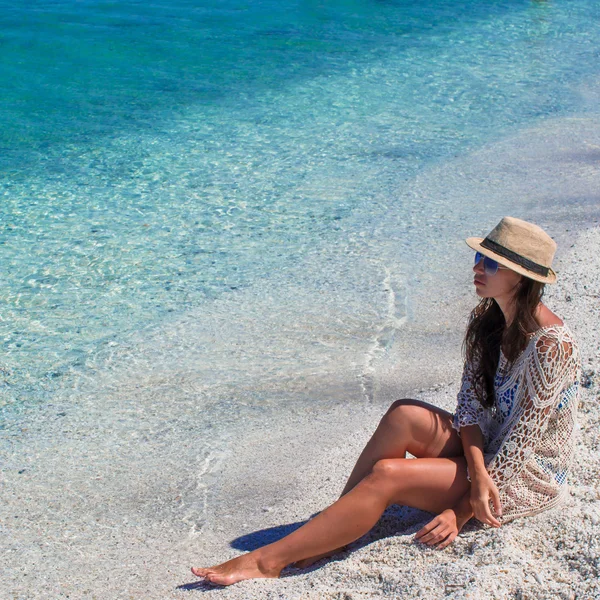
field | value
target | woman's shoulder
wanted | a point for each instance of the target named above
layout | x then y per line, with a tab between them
554	343
546	318
552	330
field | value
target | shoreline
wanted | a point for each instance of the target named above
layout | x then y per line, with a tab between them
119	495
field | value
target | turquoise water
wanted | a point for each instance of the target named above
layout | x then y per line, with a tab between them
157	156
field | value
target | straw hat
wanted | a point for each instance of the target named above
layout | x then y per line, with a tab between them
520	246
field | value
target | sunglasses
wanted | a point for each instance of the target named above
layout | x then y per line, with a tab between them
490	266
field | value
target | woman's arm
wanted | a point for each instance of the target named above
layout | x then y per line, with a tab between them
468	419
483	488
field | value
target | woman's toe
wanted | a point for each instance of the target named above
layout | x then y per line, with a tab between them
199	572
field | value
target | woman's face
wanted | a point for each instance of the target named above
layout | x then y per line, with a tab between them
500	286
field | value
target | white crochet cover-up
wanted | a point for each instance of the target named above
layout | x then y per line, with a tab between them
529	431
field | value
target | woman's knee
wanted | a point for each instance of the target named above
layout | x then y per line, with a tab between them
425	430
402	411
399	404
386	478
388	469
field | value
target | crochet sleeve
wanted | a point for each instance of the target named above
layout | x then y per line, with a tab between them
469	411
549	369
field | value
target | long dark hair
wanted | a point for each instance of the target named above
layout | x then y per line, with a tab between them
487	333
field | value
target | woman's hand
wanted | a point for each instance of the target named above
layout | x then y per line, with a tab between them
441	531
483	489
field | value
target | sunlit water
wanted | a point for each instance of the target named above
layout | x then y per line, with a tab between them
177	177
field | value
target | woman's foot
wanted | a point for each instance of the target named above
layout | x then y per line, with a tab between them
247	566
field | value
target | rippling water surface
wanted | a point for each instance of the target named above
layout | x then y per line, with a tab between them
159	157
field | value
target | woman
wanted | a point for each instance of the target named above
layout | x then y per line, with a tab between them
506	451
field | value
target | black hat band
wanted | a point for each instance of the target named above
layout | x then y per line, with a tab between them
516	258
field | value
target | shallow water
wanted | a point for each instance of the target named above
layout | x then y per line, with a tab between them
181	179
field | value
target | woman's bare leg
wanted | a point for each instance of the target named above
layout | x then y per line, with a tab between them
411	426
431	484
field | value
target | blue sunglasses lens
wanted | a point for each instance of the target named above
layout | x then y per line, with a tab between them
490	266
